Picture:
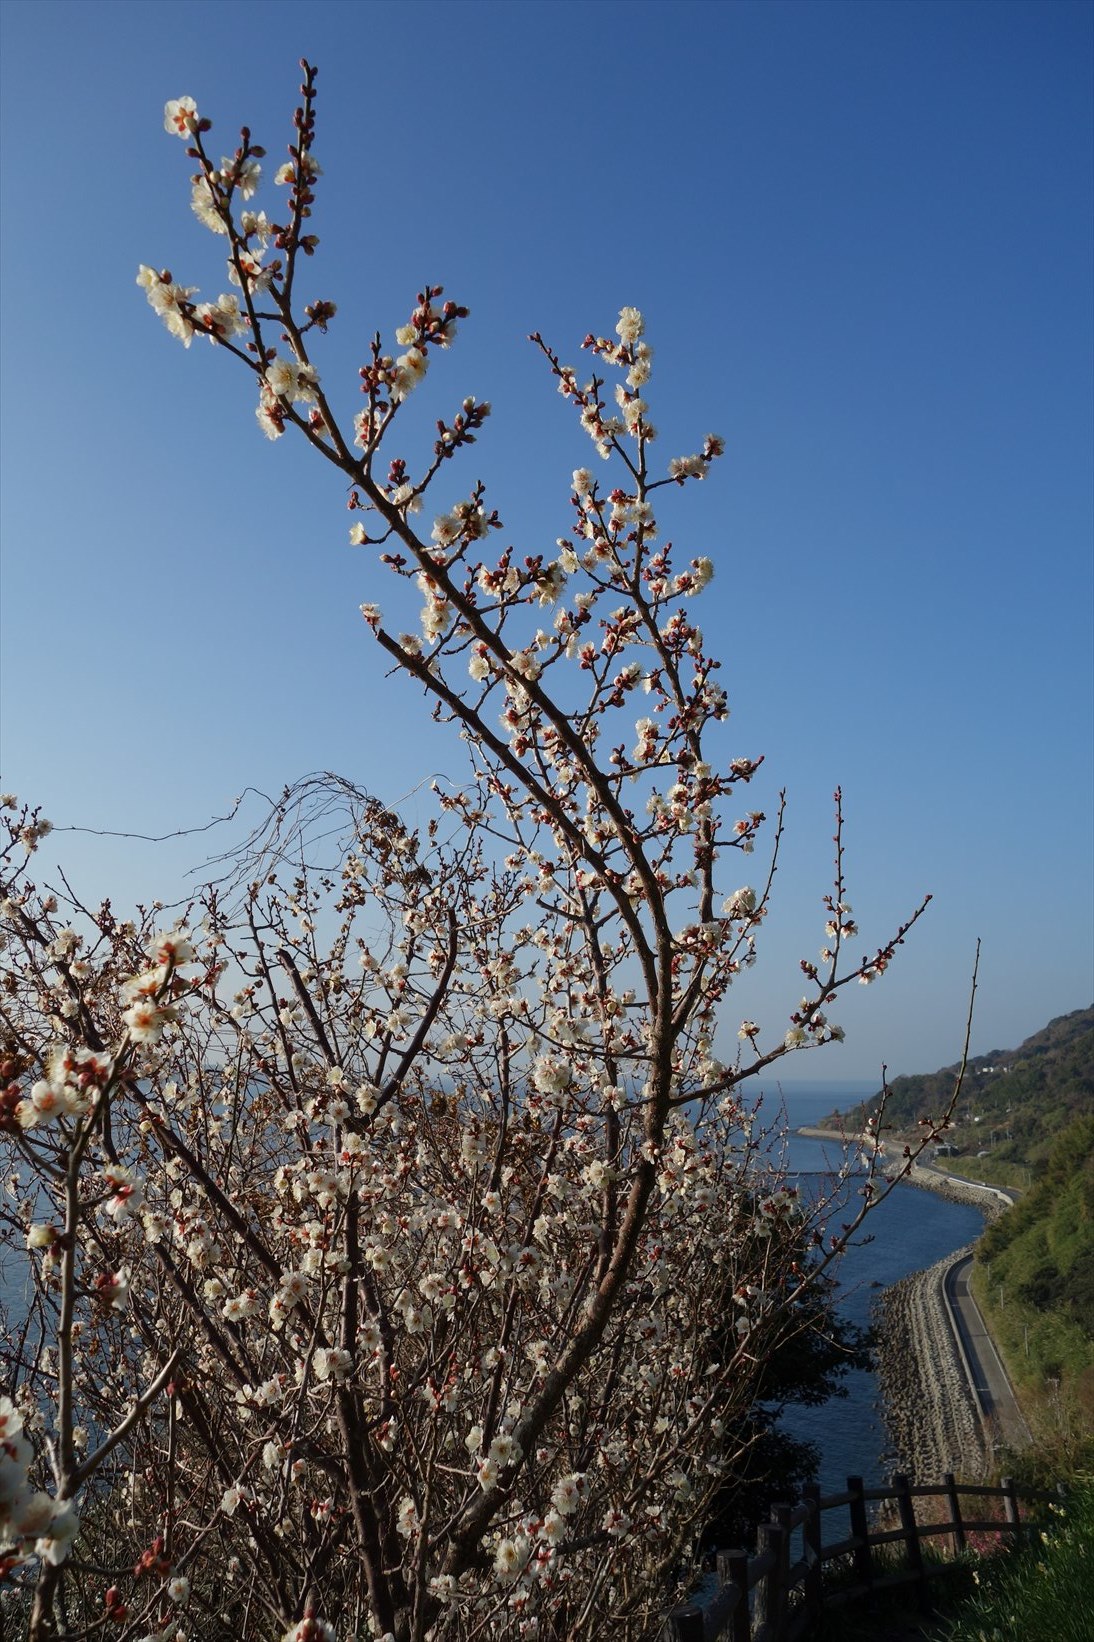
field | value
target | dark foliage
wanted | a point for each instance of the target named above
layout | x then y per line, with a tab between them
807	1369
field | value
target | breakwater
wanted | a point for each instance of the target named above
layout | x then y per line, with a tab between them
931	1412
990	1200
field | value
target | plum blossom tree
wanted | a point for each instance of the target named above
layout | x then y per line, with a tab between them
384	1216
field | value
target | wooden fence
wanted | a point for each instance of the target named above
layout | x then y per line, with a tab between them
769	1598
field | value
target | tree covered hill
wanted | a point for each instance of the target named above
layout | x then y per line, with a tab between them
1014	1102
1034	1281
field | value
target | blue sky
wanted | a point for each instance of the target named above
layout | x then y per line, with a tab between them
861	237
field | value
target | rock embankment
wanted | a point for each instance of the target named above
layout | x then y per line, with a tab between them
930	1411
984	1198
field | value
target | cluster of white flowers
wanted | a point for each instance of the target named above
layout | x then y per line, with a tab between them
285	382
27	1513
408	371
170	301
73	1081
466	522
148	1014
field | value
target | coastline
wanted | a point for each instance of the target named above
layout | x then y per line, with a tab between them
992	1200
812	1132
931	1408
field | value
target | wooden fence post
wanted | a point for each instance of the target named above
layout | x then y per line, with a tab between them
685	1625
957	1537
860	1530
769	1594
811	1539
733	1570
1010	1506
782	1514
906	1509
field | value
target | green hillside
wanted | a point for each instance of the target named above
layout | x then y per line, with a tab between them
1014	1102
1034	1280
1025	1118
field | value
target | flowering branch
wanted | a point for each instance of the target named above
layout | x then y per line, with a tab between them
468	1250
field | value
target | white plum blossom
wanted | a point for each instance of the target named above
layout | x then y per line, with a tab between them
180	116
741	904
332	1363
505	1450
631	326
146	1020
54	1545
220	320
170	301
292	380
408	371
551	1076
206	205
566	1496
554	1526
270	413
112	1289
688	467
234	1497
238	1308
510	1558
616	1523
702	572
126	1192
246	268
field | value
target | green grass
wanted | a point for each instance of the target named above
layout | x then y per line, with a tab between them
1044	1593
995	1171
1034	1282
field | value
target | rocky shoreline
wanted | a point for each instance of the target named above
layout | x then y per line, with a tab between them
985	1198
930	1411
931	1415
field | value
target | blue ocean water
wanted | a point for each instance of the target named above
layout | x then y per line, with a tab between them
908	1232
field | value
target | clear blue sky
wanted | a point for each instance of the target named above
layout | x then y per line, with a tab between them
861	237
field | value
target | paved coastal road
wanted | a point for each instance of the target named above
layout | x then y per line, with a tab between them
1002	1415
1003	1194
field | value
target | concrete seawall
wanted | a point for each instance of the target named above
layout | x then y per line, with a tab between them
931	1407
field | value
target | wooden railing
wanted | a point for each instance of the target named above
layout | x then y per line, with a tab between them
769	1598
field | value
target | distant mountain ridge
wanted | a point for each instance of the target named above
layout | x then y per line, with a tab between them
1021	1098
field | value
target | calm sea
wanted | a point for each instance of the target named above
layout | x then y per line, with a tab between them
911	1230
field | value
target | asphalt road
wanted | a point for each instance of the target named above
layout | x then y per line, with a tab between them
1005	1194
1002	1416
